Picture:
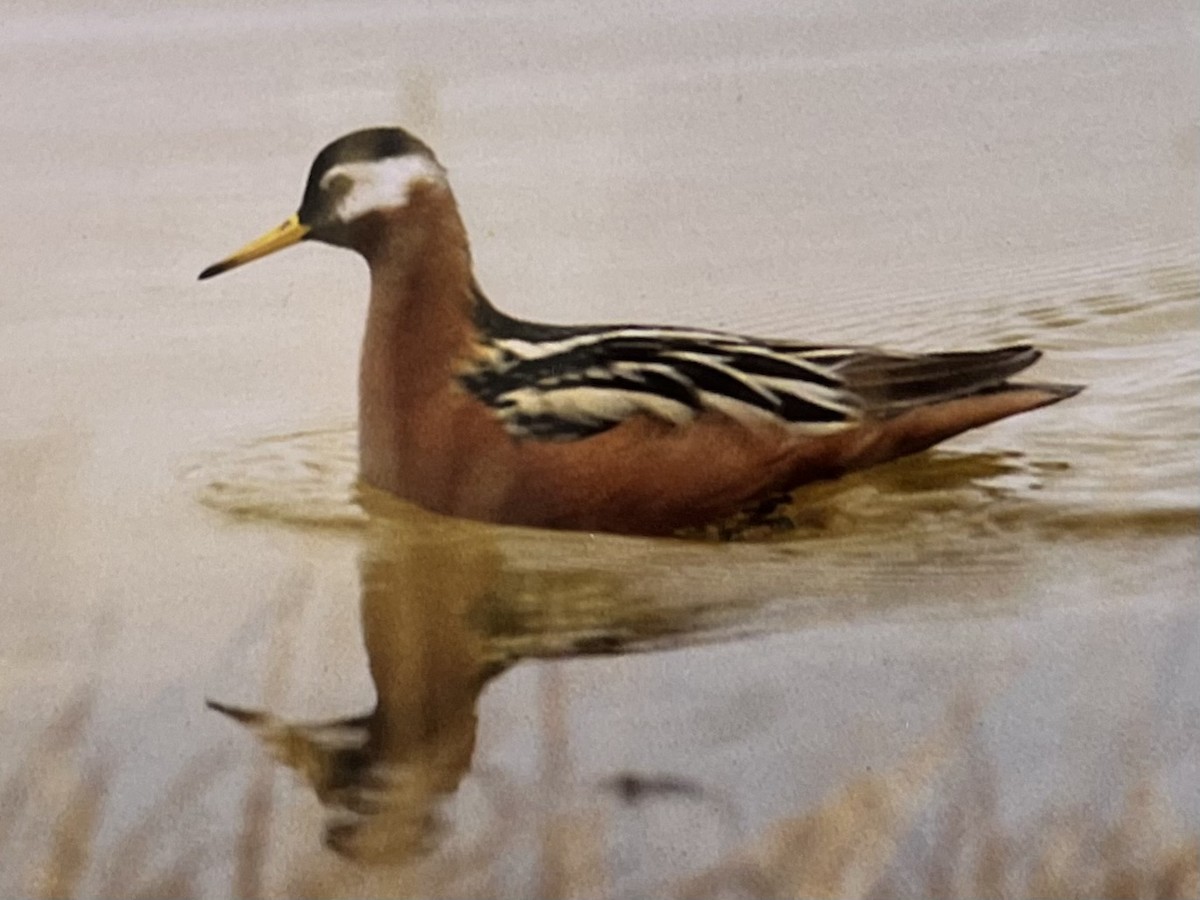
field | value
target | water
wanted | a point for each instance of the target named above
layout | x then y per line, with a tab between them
595	713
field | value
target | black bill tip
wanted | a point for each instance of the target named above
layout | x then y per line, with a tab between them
214	269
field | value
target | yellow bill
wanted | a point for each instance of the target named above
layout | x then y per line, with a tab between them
285	235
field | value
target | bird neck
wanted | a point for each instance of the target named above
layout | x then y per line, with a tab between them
420	316
420	319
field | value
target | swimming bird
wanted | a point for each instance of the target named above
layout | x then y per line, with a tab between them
633	429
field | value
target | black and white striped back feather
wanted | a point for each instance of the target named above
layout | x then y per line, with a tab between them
555	383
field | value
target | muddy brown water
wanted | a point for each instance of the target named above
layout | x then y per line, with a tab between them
181	521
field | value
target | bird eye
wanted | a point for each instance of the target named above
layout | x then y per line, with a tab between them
338	186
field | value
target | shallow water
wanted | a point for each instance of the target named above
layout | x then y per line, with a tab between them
569	713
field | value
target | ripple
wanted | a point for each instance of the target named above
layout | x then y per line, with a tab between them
308	479
305	478
964	305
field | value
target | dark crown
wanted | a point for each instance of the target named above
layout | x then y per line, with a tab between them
362	146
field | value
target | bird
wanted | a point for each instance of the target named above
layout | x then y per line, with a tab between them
471	412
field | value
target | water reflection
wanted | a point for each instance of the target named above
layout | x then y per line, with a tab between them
443	612
448	605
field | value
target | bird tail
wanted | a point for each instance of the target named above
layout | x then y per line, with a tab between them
888	385
921	427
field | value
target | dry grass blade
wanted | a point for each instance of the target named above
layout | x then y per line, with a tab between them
250	850
69	853
841	849
1145	854
572	855
133	853
180	882
64	733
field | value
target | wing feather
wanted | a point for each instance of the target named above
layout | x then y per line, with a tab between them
575	385
567	385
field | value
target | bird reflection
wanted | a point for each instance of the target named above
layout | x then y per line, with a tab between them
443	612
447	605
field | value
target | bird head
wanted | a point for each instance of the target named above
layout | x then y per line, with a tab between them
353	180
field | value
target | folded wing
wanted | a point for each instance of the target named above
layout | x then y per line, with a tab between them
574	385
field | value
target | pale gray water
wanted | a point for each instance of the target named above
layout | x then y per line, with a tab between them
177	458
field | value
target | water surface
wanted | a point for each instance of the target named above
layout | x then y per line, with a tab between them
572	713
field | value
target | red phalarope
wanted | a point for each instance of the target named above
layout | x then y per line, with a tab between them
634	429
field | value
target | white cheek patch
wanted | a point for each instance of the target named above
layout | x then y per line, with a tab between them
381	183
